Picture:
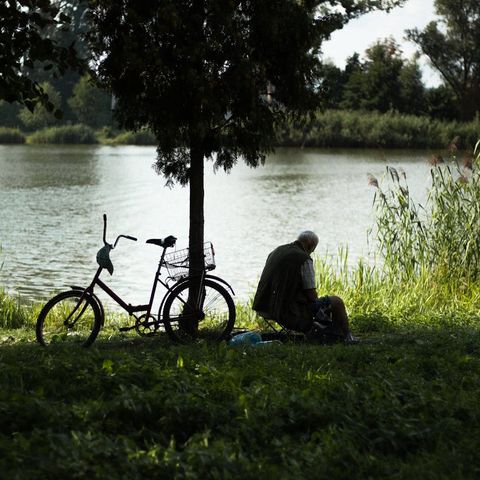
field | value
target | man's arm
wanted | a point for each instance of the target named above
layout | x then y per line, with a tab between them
311	294
308	280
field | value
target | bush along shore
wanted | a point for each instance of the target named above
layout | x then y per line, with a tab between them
332	128
337	128
77	135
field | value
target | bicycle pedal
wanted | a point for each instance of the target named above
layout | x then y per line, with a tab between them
126	329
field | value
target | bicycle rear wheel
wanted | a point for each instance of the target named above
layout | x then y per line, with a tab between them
69	318
213	319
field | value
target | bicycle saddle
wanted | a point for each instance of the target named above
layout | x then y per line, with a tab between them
163	242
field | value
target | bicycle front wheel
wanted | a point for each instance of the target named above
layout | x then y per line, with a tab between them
69	318
210	318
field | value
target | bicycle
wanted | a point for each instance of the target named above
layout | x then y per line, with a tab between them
77	315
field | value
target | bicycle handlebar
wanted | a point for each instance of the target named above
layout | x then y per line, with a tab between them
124	236
129	237
105	228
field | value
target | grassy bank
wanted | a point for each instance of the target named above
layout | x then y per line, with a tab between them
403	404
332	128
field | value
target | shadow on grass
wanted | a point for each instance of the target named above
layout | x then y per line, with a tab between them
410	394
371	330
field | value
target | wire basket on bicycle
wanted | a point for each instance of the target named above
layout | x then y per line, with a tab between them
177	262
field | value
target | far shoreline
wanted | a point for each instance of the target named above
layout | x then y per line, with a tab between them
331	129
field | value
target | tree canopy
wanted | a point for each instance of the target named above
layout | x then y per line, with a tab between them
23	42
90	105
451	43
383	81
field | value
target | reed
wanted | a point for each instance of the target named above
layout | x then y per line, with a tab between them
441	237
379	300
357	129
140	137
67	134
11	136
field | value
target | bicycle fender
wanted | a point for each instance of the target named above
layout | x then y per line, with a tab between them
220	280
95	299
211	277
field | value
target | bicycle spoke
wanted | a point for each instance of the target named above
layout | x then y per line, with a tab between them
55	324
214	320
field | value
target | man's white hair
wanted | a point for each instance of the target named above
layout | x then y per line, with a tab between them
308	237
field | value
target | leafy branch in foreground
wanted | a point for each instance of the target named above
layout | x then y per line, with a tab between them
23	42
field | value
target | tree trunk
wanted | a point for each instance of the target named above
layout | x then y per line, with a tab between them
196	235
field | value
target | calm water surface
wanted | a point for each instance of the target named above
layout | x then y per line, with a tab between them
53	198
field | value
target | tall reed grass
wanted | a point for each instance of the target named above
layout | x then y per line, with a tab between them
337	128
441	237
378	300
67	134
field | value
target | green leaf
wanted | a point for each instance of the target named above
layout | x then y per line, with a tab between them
107	365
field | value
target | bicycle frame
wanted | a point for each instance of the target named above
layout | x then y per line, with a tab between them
193	304
131	309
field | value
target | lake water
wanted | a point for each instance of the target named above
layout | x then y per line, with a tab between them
53	198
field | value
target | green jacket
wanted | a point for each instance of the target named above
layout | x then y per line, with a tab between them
280	295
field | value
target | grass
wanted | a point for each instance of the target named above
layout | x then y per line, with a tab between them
440	237
82	134
13	315
405	407
403	404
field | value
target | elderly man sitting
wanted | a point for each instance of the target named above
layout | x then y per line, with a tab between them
287	293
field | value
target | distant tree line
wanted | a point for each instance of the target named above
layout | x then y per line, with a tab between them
380	80
85	104
385	81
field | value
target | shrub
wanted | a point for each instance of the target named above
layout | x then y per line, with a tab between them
11	135
9	114
337	128
140	137
107	134
72	134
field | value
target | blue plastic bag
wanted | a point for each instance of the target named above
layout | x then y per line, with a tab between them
250	339
246	338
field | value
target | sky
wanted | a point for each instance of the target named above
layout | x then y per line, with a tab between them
362	32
